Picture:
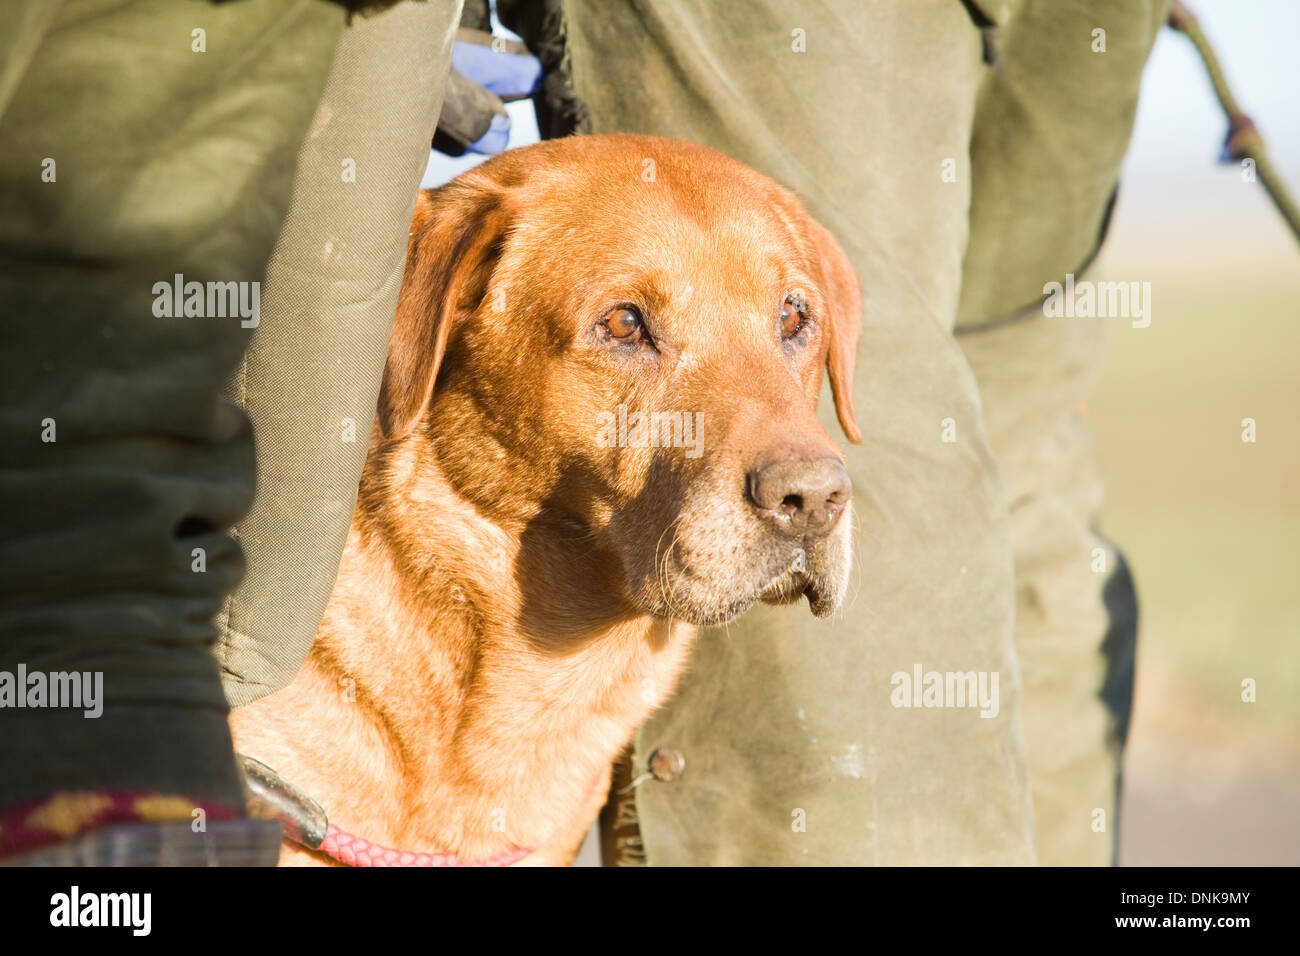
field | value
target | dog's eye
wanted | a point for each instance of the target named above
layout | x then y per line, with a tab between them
625	325
794	315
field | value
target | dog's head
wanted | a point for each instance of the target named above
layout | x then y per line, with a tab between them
622	338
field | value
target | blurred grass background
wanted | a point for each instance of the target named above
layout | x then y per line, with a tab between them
1210	524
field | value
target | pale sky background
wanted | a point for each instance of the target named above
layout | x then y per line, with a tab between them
1180	125
1170	175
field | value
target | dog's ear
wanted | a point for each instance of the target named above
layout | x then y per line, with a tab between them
454	238
843	295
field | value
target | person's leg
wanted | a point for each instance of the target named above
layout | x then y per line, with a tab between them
1051	129
797	746
311	373
143	142
1076	662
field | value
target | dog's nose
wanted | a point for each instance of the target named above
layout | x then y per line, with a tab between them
800	497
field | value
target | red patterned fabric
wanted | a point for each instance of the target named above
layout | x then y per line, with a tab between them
65	815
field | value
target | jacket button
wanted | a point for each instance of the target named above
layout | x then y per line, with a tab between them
666	764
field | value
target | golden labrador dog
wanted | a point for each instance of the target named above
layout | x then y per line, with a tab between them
596	433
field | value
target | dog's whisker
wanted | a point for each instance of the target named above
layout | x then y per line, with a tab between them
662	571
855	580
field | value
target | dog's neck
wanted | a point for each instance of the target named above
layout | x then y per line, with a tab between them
491	666
516	570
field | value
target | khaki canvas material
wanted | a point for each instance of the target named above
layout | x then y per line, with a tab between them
311	373
134	150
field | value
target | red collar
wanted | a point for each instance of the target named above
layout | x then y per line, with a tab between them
305	824
354	851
